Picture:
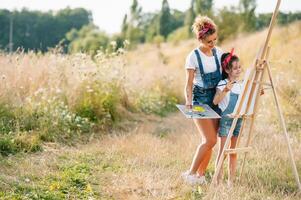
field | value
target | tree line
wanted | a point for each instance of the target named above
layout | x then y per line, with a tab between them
173	25
37	30
74	31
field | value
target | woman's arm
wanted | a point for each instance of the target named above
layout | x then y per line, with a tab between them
188	87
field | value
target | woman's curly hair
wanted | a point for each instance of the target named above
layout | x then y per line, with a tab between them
203	26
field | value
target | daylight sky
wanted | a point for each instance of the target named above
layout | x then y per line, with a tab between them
108	14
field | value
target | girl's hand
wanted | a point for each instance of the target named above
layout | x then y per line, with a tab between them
229	86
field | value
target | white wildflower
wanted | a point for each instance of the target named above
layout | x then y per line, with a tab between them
113	43
126	42
58	91
121	51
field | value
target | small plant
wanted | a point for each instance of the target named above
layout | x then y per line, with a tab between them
159	100
99	102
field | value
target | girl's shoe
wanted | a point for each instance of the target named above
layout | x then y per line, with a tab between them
193	179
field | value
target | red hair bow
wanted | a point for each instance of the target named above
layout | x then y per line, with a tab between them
227	59
204	30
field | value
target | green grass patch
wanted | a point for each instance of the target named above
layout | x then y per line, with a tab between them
155	102
70	182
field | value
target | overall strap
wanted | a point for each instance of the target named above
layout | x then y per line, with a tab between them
232	103
199	62
216	60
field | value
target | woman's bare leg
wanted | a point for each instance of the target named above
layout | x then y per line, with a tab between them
207	127
204	164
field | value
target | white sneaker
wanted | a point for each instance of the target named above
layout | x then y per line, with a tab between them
203	179
193	179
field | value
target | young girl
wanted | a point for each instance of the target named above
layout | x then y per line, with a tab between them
227	92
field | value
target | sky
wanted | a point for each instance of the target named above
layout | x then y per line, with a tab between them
108	14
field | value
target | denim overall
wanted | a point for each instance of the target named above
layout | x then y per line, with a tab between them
226	122
205	94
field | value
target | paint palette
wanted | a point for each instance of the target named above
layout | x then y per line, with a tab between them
198	109
202	111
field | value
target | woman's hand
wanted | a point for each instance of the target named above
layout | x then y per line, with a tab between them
188	105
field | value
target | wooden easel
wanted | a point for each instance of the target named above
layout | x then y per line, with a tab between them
247	106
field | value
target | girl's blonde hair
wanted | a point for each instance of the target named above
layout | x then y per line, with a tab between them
200	23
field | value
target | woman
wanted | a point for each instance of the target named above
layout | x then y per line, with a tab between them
203	72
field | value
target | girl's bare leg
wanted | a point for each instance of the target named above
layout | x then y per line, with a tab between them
207	127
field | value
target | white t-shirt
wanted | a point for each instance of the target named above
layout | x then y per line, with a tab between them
208	62
237	87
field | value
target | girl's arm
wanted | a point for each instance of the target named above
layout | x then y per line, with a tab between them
220	94
188	87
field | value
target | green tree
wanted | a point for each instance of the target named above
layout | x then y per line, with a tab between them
203	7
177	19
189	17
247	9
134	33
263	20
228	22
35	30
149	23
135	13
4	30
124	26
165	20
89	39
285	18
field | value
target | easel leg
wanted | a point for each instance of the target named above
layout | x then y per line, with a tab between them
281	118
221	159
247	144
259	78
240	132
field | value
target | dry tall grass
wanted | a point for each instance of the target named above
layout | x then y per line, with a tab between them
145	162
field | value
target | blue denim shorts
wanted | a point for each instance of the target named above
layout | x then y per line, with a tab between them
225	125
204	96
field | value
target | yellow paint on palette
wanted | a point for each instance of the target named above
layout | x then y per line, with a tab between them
198	109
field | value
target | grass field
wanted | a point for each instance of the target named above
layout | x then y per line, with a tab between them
105	129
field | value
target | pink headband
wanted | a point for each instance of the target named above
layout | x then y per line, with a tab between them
227	59
204	30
